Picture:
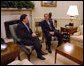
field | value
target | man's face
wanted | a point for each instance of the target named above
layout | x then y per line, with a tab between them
26	20
46	16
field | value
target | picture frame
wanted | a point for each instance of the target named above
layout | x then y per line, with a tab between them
48	3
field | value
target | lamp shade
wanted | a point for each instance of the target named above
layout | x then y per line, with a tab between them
73	10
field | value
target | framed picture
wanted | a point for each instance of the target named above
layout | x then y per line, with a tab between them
48	3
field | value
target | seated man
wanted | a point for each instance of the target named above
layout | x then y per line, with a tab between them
49	31
27	37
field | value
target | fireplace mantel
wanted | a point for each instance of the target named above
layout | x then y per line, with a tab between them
15	9
8	14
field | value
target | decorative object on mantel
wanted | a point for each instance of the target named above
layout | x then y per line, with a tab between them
17	4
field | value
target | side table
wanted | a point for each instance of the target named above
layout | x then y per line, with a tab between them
69	30
71	52
10	53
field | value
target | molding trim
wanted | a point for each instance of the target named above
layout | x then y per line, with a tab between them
57	18
15	9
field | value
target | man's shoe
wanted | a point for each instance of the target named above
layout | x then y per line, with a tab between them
41	57
43	53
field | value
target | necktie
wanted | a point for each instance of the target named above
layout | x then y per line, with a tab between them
27	28
49	25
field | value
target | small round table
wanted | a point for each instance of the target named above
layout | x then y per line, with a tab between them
10	53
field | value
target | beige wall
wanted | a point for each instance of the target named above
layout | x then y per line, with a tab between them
58	12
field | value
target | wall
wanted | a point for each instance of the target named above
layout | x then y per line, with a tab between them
11	14
58	12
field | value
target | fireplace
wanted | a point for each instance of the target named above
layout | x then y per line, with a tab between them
7	23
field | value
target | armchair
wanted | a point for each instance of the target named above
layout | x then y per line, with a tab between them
54	39
27	49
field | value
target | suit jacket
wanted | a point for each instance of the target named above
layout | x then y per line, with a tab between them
23	33
45	27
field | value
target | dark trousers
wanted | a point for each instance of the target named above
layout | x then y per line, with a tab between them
33	42
48	38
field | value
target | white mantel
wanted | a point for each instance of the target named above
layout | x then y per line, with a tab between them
8	14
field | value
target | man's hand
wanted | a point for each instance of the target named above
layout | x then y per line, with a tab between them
34	35
52	33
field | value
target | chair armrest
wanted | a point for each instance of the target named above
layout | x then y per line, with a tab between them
77	33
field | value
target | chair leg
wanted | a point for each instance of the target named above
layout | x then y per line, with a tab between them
42	38
19	57
28	55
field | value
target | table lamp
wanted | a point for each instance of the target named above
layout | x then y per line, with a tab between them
72	12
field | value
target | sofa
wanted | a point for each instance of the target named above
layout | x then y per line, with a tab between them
77	38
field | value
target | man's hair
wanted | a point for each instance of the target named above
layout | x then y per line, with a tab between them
46	14
50	14
22	17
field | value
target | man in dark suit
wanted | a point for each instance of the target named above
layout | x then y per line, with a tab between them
49	31
27	37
